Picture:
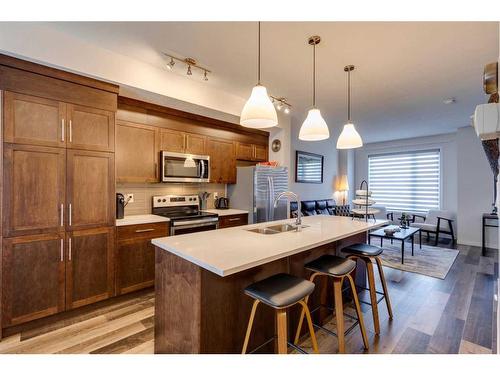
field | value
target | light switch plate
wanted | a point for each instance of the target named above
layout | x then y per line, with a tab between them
131	198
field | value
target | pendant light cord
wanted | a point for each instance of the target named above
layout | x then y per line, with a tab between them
349	95
258	77
314	75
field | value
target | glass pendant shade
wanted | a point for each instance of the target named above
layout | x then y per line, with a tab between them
349	138
259	111
314	127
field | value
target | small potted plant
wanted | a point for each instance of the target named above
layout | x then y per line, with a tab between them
404	220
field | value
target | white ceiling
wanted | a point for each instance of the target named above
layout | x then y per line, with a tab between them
403	70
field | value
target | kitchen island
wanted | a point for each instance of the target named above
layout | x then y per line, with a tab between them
200	306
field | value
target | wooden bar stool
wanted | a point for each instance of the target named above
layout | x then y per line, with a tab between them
366	253
337	268
280	292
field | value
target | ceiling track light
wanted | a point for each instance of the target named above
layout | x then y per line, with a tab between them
190	63
258	111
349	138
281	104
314	127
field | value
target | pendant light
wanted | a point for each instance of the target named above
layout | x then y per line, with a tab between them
259	111
314	128
349	138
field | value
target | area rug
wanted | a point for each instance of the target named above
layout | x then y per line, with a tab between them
430	261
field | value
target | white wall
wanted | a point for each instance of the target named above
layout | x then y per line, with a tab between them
475	188
327	148
466	178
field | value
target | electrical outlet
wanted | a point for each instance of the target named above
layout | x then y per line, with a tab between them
131	196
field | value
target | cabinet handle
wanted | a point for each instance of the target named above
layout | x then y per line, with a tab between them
144	230
62	130
69	249
70	131
234	219
62	214
69	214
62	250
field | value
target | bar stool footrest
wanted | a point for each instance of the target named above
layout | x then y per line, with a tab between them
302	351
346	332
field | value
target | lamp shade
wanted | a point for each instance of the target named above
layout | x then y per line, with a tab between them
259	111
342	183
349	138
314	128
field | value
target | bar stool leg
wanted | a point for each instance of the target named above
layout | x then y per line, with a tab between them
339	312
311	328
359	313
384	286
281	330
373	295
302	314
249	327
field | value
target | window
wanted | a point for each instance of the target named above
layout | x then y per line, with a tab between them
406	181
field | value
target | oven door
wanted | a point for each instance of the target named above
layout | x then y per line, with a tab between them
192	226
177	167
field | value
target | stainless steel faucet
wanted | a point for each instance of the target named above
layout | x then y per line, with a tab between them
290	195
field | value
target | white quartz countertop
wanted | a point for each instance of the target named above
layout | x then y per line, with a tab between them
227	212
140	219
231	250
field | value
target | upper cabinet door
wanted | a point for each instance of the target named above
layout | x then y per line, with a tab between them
33	120
137	152
90	266
244	151
90	189
172	140
195	144
90	128
261	153
33	277
222	161
34	181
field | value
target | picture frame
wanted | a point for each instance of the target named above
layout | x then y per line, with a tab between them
308	167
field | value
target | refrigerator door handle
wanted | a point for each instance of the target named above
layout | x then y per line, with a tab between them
271	210
270	198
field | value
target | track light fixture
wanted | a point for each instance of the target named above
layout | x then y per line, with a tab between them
281	104
190	63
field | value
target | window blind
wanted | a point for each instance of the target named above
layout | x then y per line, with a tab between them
406	181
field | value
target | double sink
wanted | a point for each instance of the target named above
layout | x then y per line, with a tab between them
279	228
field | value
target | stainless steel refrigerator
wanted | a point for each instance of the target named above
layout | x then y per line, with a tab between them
255	190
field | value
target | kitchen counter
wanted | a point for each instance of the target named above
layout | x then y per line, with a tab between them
200	306
227	251
140	219
228	212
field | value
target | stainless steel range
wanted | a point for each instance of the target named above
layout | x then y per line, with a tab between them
184	214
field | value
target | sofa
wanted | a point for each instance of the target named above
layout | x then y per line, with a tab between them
319	207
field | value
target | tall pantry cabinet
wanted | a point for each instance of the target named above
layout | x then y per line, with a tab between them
58	186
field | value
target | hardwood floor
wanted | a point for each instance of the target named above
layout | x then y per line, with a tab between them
454	315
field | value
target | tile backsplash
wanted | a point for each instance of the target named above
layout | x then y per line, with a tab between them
143	193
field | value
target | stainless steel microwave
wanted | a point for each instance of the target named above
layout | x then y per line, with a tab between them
177	167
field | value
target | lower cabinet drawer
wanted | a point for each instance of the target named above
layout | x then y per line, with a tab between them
233	220
152	230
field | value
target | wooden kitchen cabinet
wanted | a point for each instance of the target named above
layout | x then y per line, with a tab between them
176	141
222	161
90	128
34	189
135	256
137	152
251	152
89	266
32	277
33	120
229	221
90	189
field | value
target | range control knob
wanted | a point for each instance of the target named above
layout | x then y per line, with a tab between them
164	200
159	200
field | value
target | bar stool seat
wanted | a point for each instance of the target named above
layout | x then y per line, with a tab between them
363	249
280	291
332	265
367	253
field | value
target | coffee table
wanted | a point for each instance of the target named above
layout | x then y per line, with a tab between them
402	236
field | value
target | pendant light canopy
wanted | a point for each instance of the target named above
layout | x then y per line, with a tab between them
259	111
349	138
314	127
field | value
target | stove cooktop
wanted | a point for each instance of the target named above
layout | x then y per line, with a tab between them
186	215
